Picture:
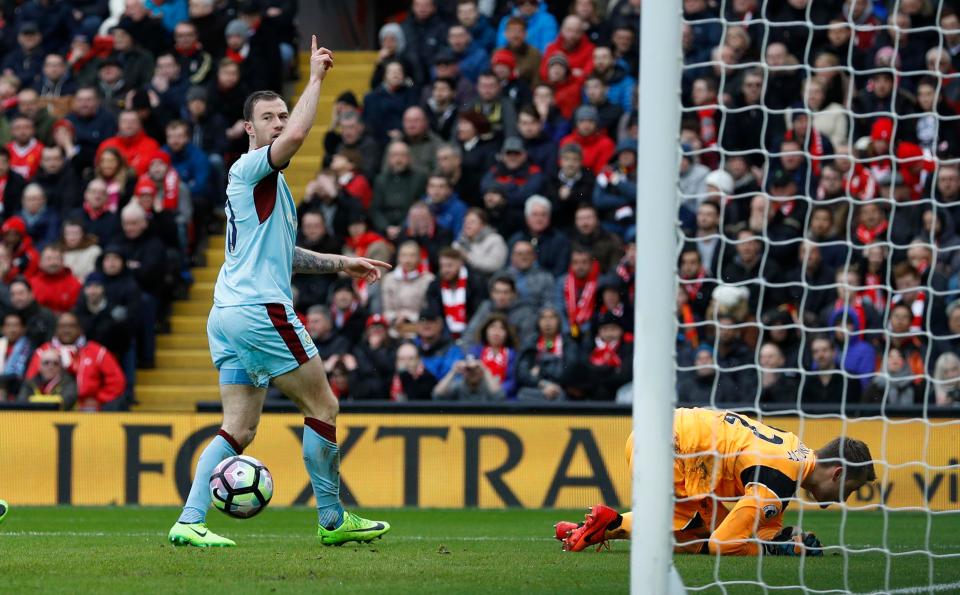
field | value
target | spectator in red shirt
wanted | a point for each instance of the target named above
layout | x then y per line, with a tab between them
566	88
596	146
100	381
24	257
54	286
346	165
24	149
132	142
572	43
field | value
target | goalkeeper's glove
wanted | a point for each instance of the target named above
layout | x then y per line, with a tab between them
792	541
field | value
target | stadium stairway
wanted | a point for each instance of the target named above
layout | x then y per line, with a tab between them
184	374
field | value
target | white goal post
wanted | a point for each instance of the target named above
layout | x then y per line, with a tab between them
655	296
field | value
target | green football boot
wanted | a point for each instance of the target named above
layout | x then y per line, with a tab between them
353	528
197	535
4	509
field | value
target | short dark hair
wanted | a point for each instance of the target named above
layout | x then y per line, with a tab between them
439	174
450	252
488	74
256	97
516	21
480	213
178	124
851	454
505	279
496	317
903	269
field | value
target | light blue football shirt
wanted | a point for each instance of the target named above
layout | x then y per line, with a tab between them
261	234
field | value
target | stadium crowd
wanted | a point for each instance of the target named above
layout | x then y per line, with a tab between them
494	162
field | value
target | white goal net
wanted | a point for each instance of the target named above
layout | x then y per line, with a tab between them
819	265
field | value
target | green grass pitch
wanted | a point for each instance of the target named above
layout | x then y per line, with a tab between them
119	550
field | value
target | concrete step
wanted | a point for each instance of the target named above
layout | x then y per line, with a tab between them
188	324
206	274
168	359
195	377
192	308
178	395
202	291
184	341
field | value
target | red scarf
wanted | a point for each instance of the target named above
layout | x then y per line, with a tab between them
867	235
580	310
497	360
814	148
859	183
689	326
693	289
340	317
454	297
235	56
917	308
708	126
874	291
47	387
554	347
605	354
856	304
190	51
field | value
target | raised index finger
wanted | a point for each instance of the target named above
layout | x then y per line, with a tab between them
313	44
379	263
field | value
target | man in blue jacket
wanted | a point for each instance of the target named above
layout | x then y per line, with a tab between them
541	25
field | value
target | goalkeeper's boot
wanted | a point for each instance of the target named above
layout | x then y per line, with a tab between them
197	535
563	529
353	528
4	509
593	530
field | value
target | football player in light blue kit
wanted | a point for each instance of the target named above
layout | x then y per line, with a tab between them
255	336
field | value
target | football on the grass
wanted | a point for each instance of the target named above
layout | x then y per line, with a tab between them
241	486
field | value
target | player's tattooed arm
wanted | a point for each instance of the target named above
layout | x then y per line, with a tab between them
313	263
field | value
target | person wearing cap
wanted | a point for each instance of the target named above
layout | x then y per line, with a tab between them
597	147
447	66
608	361
471	57
383	107
111	85
440	108
26	59
573	43
614	195
504	65
102	320
137	63
517	178
121	288
492	103
393	48
24	259
160	222
566	88
438	352
541	25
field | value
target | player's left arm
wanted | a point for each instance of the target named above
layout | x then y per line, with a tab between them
735	535
313	263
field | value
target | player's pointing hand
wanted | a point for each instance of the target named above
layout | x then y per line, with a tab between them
366	268
321	60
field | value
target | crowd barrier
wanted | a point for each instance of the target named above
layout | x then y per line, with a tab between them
428	457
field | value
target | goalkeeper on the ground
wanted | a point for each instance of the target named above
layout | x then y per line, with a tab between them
722	458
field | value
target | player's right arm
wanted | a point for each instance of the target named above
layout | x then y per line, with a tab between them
304	113
757	513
